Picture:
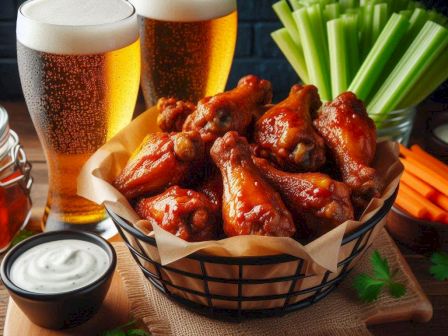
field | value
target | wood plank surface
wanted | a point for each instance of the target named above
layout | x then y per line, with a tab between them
437	291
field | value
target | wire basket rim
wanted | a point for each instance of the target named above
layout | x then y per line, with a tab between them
369	224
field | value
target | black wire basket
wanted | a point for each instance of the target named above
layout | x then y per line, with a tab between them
225	288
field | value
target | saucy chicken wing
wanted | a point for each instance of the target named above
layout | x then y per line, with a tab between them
351	136
185	213
232	110
285	134
250	205
162	160
212	188
316	201
172	114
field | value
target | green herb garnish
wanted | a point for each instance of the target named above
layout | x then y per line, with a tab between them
369	287
20	236
439	269
121	331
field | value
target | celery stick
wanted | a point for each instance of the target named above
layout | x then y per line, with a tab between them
295	4
352	42
346	4
372	67
338	56
332	11
316	63
406	13
428	45
428	82
379	20
283	11
366	29
292	52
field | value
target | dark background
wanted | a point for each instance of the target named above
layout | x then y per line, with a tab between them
255	53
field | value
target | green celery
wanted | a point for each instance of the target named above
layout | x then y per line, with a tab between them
428	45
348	4
372	67
429	81
293	54
338	56
379	20
295	4
284	13
366	29
332	11
352	42
316	61
406	13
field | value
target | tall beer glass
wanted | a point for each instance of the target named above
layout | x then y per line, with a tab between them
79	63
187	47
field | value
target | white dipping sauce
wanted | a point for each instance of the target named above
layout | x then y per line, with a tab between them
59	266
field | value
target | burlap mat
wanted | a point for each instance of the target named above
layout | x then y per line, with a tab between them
340	313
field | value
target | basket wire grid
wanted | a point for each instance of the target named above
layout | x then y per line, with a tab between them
360	239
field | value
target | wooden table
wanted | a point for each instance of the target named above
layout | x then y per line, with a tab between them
437	291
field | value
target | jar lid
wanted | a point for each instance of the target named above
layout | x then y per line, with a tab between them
4	130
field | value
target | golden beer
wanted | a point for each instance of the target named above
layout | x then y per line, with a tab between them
187	47
79	95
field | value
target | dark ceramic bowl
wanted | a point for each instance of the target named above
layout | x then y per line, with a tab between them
60	310
419	235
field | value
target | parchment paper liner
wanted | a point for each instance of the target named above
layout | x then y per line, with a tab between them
321	254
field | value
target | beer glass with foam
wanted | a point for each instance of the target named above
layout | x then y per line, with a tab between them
79	64
187	47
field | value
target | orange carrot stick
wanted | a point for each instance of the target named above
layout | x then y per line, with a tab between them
440	200
429	160
435	213
418	185
433	178
406	152
411	206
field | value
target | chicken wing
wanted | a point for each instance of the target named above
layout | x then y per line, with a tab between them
212	188
250	205
285	134
172	114
317	202
183	212
351	136
162	160
232	110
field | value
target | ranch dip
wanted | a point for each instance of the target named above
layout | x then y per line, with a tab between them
59	266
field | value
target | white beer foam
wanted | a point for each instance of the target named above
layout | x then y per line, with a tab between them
184	10
76	26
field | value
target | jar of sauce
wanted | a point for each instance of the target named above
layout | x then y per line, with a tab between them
15	183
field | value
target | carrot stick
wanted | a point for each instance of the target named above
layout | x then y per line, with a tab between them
440	200
411	206
418	185
434	179
435	213
429	160
406	152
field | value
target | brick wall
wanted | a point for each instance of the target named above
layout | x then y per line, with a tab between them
255	53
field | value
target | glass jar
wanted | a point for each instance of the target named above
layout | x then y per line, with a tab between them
397	126
15	184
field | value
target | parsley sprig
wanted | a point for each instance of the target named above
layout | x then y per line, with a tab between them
121	331
369	287
439	269
20	236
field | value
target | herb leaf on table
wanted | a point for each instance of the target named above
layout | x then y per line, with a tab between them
120	331
369	287
20	236
439	269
